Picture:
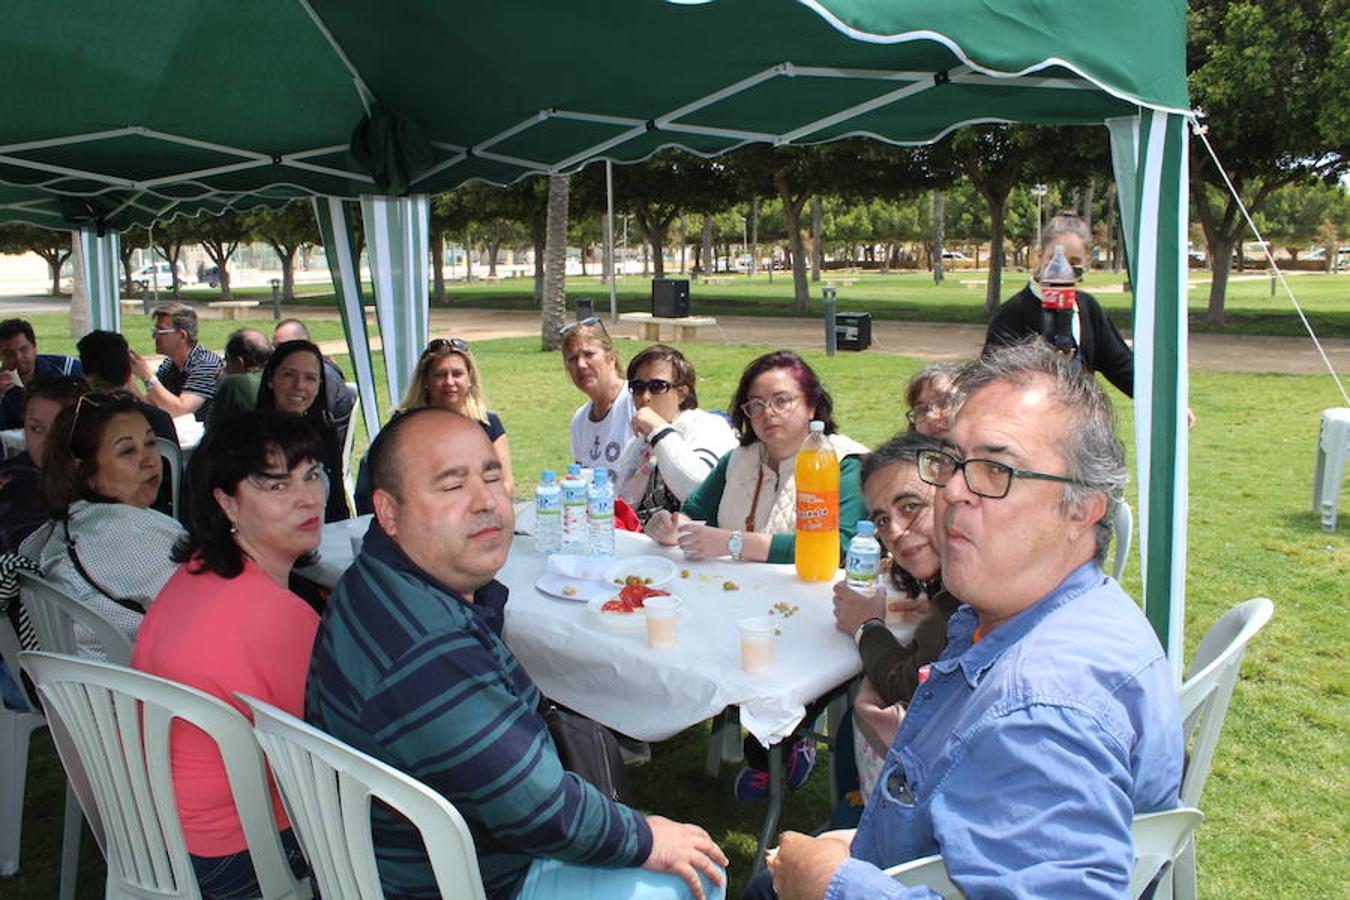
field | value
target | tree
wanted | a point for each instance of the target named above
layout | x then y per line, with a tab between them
285	230
133	239
219	236
1296	215
1273	80
555	266
659	189
52	246
169	239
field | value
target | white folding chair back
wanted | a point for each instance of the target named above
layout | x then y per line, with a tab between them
1205	695
54	615
173	455
1124	534
348	442
327	787
927	871
112	726
1158	839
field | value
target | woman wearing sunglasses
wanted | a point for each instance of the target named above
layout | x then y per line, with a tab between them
1100	346
227	620
678	443
293	382
602	426
104	545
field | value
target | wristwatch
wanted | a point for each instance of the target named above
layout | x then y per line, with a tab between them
152	380
735	544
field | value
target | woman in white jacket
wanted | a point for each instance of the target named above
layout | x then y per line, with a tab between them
677	443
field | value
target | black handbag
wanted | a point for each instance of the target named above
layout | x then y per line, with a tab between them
589	749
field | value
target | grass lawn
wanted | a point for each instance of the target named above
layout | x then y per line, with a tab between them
1276	816
912	296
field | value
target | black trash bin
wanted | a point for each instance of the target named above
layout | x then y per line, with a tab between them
670	298
853	331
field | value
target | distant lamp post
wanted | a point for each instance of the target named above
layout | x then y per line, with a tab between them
1040	190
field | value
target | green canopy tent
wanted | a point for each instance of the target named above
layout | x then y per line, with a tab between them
120	113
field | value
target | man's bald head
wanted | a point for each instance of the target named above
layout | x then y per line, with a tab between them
290	330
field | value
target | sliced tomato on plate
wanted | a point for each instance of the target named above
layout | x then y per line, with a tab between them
631	598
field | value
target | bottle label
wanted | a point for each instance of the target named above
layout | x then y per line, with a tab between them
1058	297
818	511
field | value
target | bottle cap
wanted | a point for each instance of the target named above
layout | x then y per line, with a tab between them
601	476
547	475
818	425
574	469
866	528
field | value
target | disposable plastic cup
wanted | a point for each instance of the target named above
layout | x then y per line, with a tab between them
688	525
663	618
757	635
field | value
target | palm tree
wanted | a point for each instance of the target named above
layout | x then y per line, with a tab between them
554	300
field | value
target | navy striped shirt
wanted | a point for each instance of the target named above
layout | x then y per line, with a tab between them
408	672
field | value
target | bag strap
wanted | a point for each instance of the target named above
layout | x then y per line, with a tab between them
75	558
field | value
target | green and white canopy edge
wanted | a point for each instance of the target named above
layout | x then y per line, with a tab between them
778	71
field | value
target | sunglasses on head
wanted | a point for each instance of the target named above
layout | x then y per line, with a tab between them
93	399
589	320
441	345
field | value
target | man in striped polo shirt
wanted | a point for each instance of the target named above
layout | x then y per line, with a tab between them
186	380
409	666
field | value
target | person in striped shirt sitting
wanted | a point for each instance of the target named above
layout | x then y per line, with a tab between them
410	667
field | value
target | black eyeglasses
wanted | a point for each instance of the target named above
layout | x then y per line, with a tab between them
984	477
440	345
589	320
651	386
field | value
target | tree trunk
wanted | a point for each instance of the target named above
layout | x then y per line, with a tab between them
468	261
817	248
1220	254
54	263
656	238
997	208
287	275
792	212
79	293
555	266
438	267
1088	195
684	245
754	235
939	233
540	238
493	247
707	262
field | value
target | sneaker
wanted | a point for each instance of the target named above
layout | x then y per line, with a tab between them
753	784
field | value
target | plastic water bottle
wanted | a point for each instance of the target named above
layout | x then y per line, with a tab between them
600	513
574	536
817	543
548	513
864	558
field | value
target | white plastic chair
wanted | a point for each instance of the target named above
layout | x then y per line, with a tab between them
173	455
111	726
1124	535
1158	838
348	442
327	788
54	615
1204	703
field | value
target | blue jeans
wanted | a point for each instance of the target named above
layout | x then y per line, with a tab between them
231	877
552	878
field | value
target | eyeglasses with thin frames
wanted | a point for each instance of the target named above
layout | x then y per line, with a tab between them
780	403
588	321
94	399
984	477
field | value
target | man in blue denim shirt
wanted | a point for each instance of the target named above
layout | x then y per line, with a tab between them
1051	718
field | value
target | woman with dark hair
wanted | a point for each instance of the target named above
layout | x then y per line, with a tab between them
104	545
678	443
293	382
747	506
902	627
227	621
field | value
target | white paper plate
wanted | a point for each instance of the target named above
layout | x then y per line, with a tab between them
660	570
626	623
573	589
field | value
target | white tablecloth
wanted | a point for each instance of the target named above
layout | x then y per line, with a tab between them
652	694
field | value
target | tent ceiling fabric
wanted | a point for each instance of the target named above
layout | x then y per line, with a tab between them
167	107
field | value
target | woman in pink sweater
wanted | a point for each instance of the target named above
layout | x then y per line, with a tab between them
226	621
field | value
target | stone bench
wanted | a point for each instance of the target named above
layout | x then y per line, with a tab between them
685	327
836	282
234	309
716	279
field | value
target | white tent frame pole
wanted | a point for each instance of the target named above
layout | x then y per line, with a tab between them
609	241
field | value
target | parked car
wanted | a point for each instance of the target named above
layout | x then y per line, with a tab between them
209	275
955	255
158	274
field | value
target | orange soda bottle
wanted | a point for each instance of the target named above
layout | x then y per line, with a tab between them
817	550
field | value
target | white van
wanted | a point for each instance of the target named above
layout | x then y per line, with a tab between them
156	274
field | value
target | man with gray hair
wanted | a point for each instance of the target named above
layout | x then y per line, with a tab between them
186	380
1051	718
